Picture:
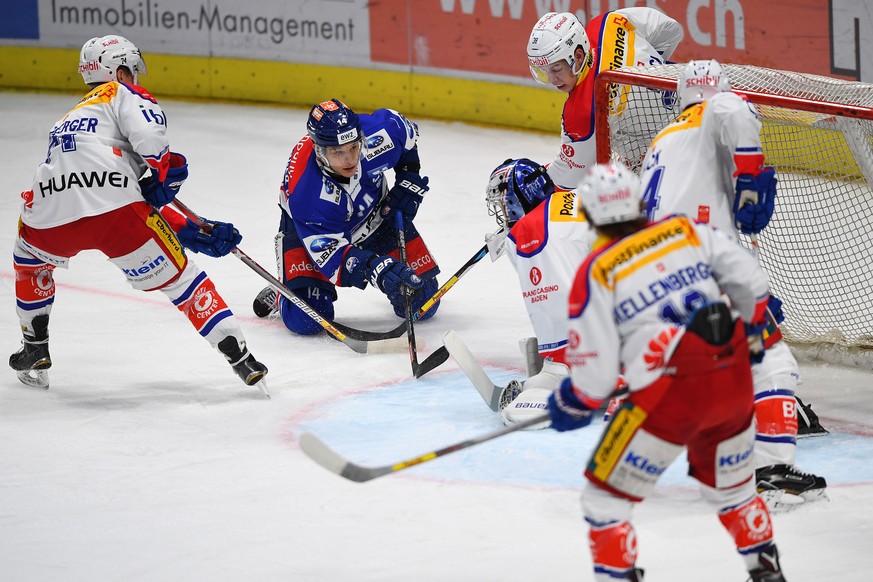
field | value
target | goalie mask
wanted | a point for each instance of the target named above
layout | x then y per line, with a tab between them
553	39
515	188
101	56
699	81
332	124
610	193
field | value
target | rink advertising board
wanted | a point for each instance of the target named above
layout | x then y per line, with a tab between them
439	58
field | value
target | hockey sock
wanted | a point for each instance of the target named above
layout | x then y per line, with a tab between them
202	305
34	287
776	427
613	549
750	525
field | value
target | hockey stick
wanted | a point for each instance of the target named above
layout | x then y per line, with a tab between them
319	452
380	345
441	354
429	304
489	391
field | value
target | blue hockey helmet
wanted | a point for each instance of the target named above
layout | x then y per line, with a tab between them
331	123
515	188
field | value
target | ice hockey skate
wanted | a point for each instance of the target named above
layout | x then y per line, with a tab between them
266	303
808	424
32	360
784	487
768	569
250	371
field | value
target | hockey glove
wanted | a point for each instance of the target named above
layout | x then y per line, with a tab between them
755	201
406	195
160	194
219	241
774	306
566	410
390	276
755	337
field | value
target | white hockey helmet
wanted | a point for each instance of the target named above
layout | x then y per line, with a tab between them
554	38
699	81
610	193
102	55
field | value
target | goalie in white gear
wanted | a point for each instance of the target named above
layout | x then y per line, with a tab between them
547	240
716	141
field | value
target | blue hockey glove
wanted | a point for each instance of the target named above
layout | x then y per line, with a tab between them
755	201
566	410
390	275
755	337
406	195
219	241
160	194
774	306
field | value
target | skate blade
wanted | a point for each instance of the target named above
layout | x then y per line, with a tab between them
34	378
262	386
780	501
814	495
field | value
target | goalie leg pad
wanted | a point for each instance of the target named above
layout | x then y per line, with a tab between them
530	403
776	420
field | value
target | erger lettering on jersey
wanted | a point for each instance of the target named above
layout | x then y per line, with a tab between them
83	180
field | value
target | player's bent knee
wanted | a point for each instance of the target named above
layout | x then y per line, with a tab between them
296	320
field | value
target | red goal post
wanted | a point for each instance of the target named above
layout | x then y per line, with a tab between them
818	134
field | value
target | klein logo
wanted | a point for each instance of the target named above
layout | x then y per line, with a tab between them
568	150
643	464
536	276
735	459
324	243
148	265
375	141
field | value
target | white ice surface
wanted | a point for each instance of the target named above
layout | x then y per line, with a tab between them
148	460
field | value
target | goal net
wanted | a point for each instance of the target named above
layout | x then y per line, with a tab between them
818	134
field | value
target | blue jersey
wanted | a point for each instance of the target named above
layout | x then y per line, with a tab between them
328	215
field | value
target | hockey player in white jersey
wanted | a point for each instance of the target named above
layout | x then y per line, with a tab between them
104	185
709	165
647	303
568	55
547	241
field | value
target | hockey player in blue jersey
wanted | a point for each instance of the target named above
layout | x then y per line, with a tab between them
336	227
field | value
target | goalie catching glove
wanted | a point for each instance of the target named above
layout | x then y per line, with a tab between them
755	201
406	195
566	410
215	239
158	193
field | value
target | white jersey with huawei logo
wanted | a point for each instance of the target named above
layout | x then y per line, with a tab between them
96	154
546	248
690	166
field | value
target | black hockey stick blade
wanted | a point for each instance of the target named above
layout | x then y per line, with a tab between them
432	361
319	452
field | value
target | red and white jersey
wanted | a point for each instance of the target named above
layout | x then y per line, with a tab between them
632	297
622	38
691	165
97	153
546	248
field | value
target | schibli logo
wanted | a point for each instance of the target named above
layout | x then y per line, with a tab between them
148	265
110	42
618	195
707	80
538	61
89	66
204	304
560	23
536	276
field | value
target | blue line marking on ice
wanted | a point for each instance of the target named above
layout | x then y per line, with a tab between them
396	422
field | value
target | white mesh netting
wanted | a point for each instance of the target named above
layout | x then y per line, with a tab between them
817	248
